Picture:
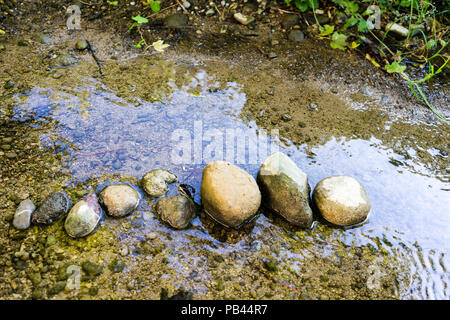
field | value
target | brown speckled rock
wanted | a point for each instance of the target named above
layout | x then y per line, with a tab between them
178	211
119	199
341	200
229	194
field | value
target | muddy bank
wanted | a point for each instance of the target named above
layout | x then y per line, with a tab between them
332	114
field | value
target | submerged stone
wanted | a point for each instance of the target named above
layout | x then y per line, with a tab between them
84	217
52	208
64	60
229	194
81	45
119	199
155	182
22	217
285	189
178	211
92	268
341	200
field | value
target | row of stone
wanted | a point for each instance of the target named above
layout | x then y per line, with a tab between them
229	195
232	196
119	200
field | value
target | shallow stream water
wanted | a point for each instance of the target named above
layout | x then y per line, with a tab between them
98	132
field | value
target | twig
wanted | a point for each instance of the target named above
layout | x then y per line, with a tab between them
182	7
89	47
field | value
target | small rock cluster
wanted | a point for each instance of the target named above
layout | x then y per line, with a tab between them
229	195
232	197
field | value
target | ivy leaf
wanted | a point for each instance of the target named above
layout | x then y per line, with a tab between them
352	6
350	22
326	30
338	41
140	19
155	6
363	26
395	67
159	45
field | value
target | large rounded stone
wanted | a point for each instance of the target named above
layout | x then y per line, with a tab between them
52	208
178	211
119	199
155	182
229	194
22	217
84	217
285	189
341	200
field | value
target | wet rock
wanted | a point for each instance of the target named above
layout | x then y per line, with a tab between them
289	20
313	107
52	208
81	45
272	55
285	189
341	200
119	199
229	194
155	182
117	265
177	20
178	211
35	278
57	288
84	217
64	60
286	117
245	20
11	155
22	217
91	268
271	265
296	35
37	294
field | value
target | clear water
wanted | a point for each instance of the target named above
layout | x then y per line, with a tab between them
101	133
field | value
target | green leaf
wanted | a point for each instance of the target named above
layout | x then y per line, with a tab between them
363	26
350	22
140	19
326	30
338	41
155	6
395	67
113	3
352	7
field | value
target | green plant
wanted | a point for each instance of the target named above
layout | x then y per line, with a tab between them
419	46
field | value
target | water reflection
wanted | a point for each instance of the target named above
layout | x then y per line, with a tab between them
100	132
